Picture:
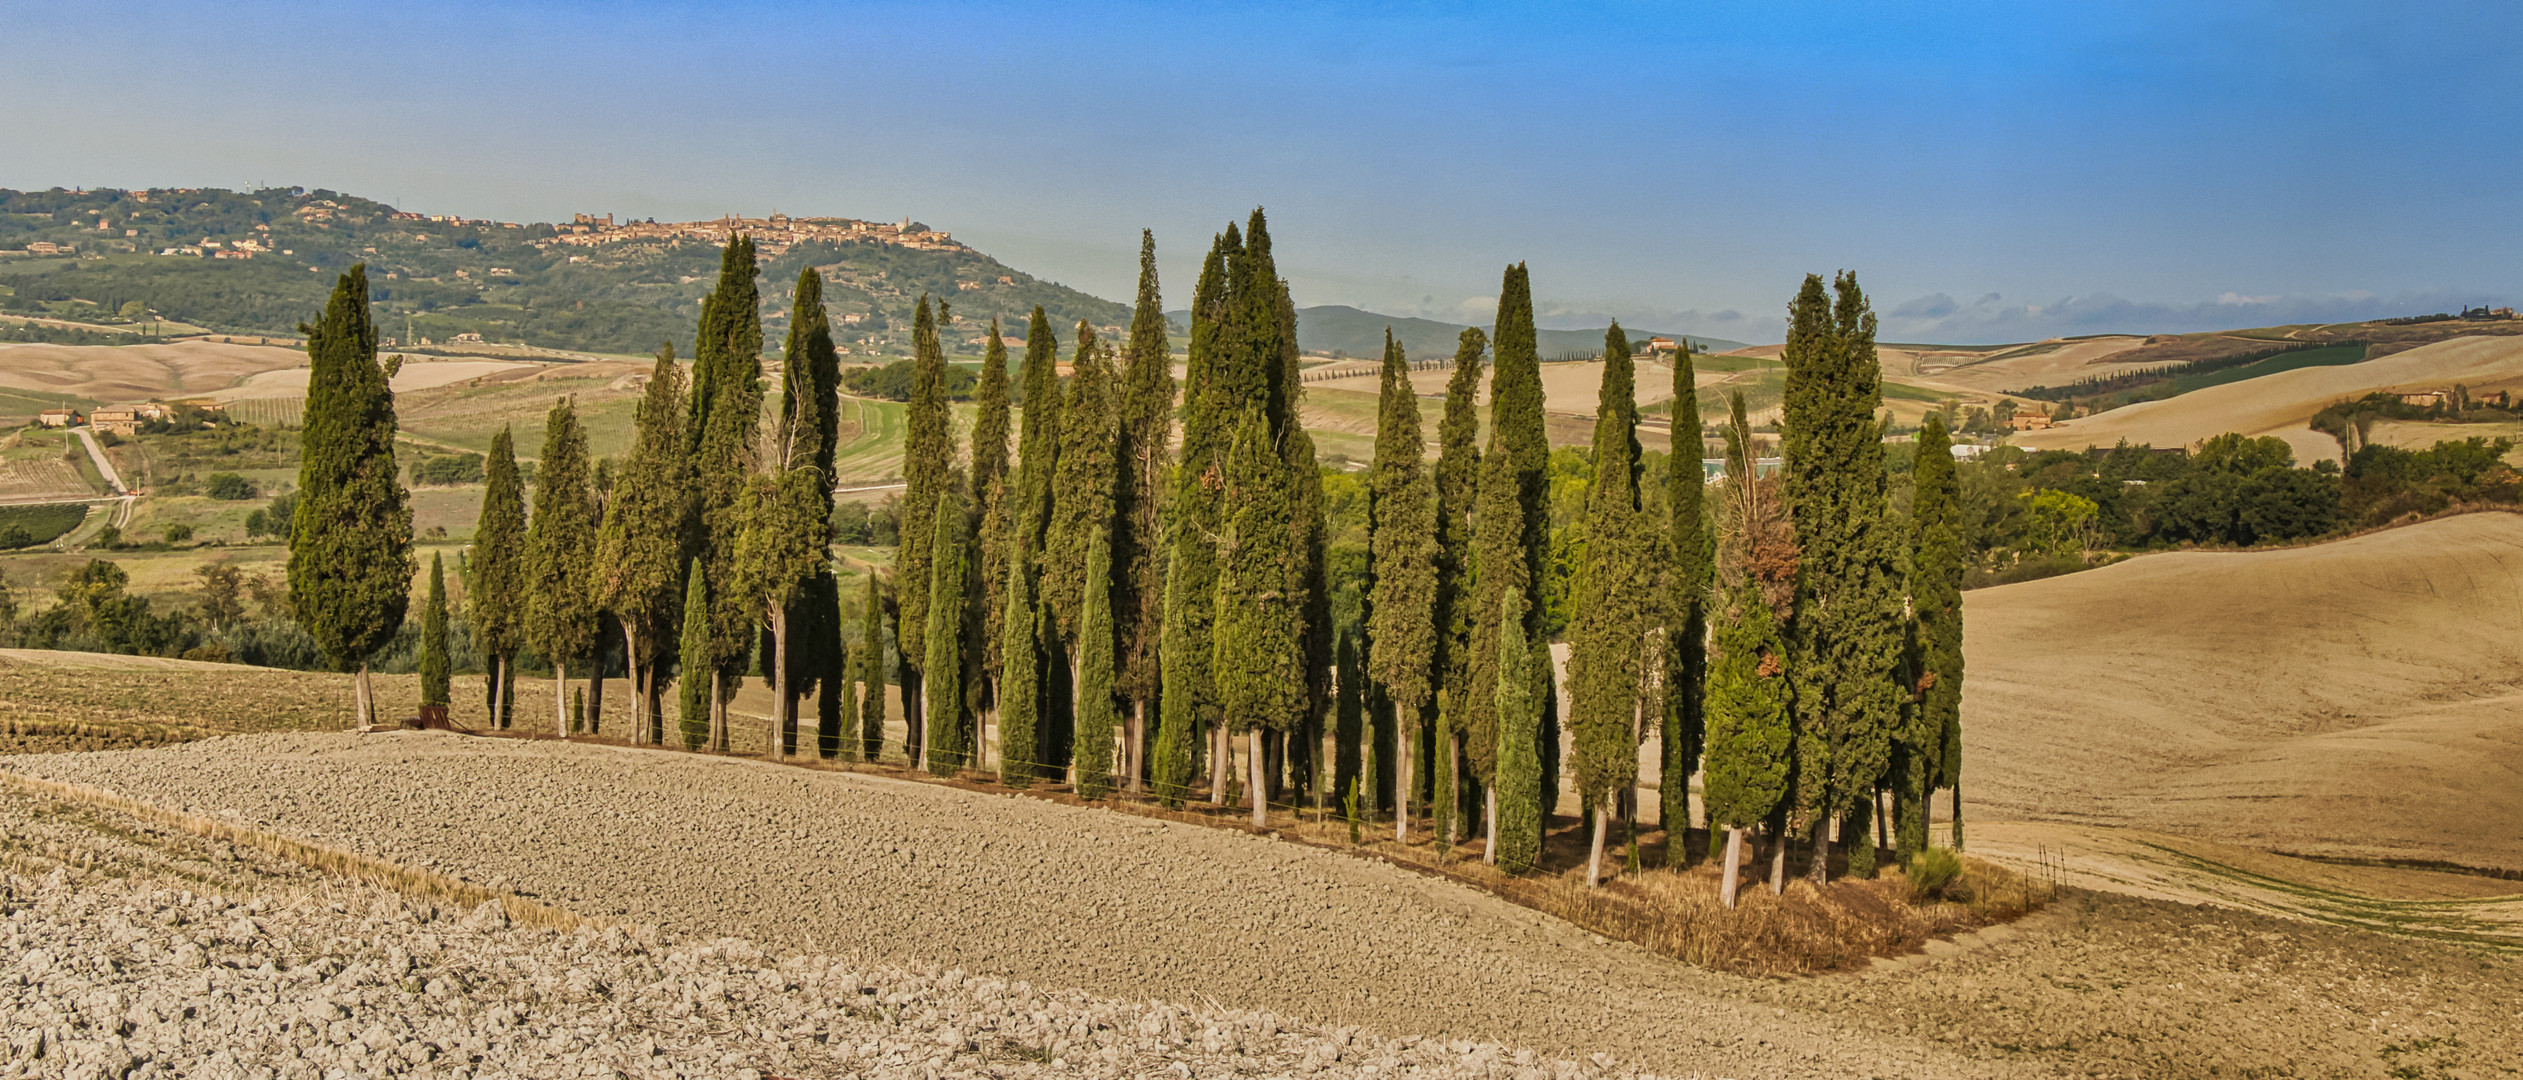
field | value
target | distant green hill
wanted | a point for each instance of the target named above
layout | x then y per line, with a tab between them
438	278
1347	330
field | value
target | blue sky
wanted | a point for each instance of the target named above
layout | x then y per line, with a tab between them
1992	172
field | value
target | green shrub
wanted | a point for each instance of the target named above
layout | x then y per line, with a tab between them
177	534
228	486
1932	872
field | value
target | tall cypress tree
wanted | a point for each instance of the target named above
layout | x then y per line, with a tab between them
785	544
1193	516
1095	719
1020	672
495	604
1846	631
1932	752
1458	486
872	671
433	661
1511	537
726	417
1258	628
1177	730
350	540
1516	821
809	432
1146	410
1612	589
560	546
1038	446
1686	609
990	430
1350	747
639	551
1082	508
693	703
1750	760
928	456
943	750
1403	540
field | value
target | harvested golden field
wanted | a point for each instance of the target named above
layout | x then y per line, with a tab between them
118	373
2355	699
2283	403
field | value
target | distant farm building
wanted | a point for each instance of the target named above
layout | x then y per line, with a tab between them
2027	418
57	417
120	419
2426	399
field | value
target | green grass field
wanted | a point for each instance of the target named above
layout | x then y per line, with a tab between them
470	416
43	524
871	440
2328	356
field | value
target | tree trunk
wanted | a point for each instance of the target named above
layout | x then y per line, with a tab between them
1221	757
1403	759
1957	815
1822	851
1594	853
783	711
595	688
1778	863
718	714
1135	752
363	707
1255	755
639	690
1734	865
560	698
1489	819
1882	816
499	701
1453	825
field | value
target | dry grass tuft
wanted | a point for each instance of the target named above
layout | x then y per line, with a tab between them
334	862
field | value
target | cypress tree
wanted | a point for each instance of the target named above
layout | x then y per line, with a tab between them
1846	631
1933	754
1146	427
495	604
641	544
1258	631
1403	542
350	557
943	749
809	433
1095	719
842	679
1458	485
1686	608
1020	672
990	430
928	456
1748	773
1177	730
785	544
1038	446
1612	589
692	688
560	546
1082	508
433	661
1351	752
1517	819
872	671
1193	520
1510	541
726	417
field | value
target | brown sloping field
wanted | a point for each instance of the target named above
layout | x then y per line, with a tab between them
2282	404
2361	699
118	373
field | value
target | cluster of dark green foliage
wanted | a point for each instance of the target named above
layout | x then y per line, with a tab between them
2039	511
893	381
445	470
2385	483
27	526
2352	420
433	278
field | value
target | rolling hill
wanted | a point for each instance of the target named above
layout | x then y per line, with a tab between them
1336	329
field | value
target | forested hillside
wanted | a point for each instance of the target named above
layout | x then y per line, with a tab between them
139	259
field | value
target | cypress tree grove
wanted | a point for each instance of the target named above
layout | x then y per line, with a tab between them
1020	672
433	659
640	548
1350	749
1458	485
1403	541
1258	631
928	458
1510	540
872	671
990	430
1686	610
1516	819
1612	589
495	603
350	539
1177	730
1846	631
727	414
1933	750
560	548
1038	446
693	703
1095	722
943	750
1146	410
